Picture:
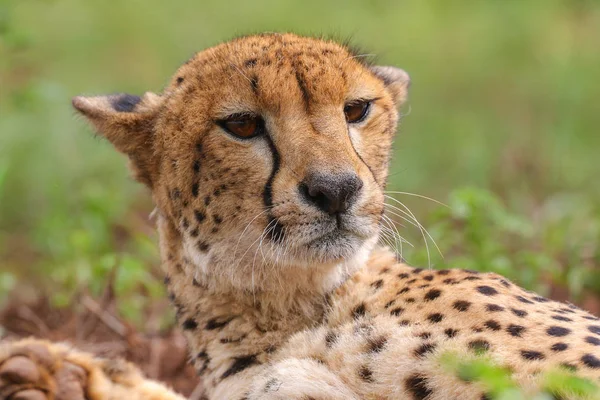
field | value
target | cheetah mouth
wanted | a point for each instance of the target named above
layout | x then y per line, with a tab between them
338	241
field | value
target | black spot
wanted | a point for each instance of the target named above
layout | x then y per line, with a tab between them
591	318
167	280
492	325
487	290
251	62
202	355
559	347
494	308
532	355
472	278
303	88
515	330
592	340
365	374
404	322
479	346
389	304
206	200
254	84
384	271
424	349
200	216
435	318
195	189
377	284
189	324
411	281
424	286
451	332
540	299
240	364
443	272
561	318
217	219
594	329
403	276
523	300
428	278
213	324
271	349
330	339
416	385
450	281
569	367
505	283
558	331
194	232
410	300
175	194
377	344
590	361
461	305
203	246
417	270
125	102
179	80
432	295
397	311
272	384
519	313
403	290
359	311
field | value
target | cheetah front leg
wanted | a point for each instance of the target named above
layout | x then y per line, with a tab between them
32	369
299	379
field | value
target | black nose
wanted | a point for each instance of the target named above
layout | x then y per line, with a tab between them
331	193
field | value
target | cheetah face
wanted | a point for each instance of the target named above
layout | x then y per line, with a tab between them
268	150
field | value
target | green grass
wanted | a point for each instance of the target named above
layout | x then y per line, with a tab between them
502	125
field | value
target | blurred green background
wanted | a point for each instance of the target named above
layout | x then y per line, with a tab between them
502	125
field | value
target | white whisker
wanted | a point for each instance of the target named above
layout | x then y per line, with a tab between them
417	195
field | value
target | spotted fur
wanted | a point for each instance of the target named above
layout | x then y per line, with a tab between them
279	297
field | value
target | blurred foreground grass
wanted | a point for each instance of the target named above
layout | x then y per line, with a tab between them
502	125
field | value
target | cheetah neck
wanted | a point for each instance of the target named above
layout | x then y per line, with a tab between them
235	324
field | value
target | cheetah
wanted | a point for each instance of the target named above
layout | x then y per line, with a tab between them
266	157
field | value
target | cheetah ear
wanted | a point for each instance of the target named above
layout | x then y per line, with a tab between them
127	121
395	79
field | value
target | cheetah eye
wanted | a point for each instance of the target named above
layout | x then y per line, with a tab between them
356	111
243	126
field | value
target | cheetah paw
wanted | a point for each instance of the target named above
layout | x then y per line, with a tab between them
36	370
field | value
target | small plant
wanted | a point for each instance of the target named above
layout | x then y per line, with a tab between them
498	383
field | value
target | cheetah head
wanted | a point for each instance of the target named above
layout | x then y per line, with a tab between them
264	153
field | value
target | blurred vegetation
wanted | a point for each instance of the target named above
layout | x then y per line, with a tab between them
502	125
497	382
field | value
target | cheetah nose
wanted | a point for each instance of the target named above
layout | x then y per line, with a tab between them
331	193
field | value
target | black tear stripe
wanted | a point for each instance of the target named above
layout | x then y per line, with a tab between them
362	159
240	364
275	230
125	102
